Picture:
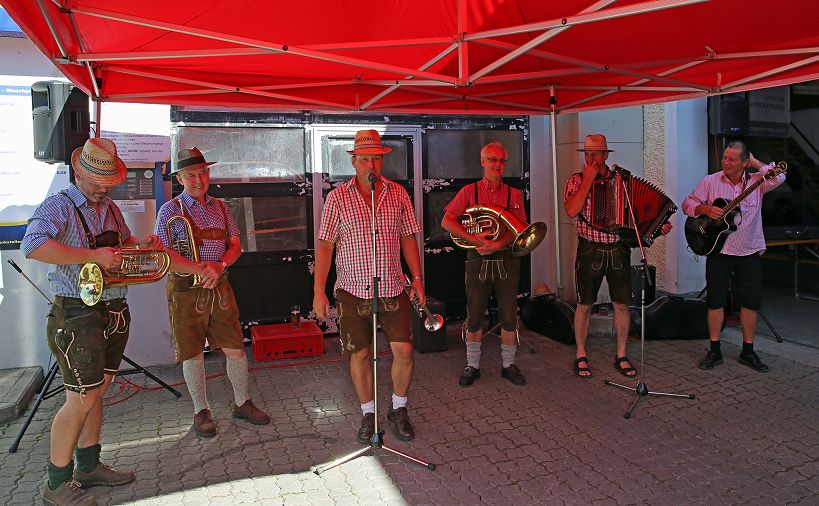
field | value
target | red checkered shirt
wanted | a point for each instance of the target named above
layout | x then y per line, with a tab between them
466	198
584	230
347	222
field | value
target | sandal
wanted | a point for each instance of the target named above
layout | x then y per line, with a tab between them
584	371
628	372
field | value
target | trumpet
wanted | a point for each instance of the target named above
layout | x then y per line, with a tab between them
138	266
432	321
495	220
185	246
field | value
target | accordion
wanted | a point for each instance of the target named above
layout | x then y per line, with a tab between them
610	198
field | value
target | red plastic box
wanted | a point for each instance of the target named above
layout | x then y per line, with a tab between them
284	341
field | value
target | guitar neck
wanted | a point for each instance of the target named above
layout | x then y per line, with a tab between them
747	191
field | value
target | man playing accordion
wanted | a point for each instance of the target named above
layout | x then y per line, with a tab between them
599	254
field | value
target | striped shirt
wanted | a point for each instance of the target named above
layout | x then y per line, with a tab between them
585	230
57	219
466	198
347	222
213	214
748	237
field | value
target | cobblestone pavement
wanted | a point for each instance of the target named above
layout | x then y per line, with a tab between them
747	438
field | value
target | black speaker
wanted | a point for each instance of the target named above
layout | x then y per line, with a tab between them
59	112
423	340
549	316
671	317
636	287
728	114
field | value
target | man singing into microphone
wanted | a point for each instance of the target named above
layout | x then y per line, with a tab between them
346	227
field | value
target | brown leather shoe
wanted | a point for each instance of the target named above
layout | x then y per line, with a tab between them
251	413
68	494
203	424
366	429
401	424
103	475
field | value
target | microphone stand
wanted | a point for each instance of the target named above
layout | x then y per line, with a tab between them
45	393
641	389
377	439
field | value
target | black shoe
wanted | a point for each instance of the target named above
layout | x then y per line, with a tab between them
752	361
401	424
710	360
513	374
365	431
469	376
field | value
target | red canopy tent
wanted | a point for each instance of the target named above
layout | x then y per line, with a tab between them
490	57
423	56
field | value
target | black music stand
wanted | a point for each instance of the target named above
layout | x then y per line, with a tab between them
47	392
377	439
641	389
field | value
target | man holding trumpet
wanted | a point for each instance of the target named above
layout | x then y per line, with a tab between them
346	227
200	226
80	225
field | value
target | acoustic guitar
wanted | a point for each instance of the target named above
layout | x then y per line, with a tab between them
706	236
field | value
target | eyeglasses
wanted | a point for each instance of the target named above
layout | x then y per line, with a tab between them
492	159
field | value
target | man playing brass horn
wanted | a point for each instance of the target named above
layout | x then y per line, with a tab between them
206	310
491	266
79	225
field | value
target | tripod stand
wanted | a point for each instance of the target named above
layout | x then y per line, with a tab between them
760	313
377	439
641	389
495	325
47	392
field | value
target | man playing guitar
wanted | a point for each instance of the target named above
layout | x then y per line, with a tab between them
738	261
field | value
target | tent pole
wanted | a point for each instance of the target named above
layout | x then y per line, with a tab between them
96	118
556	193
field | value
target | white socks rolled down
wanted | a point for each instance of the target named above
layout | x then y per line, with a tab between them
473	354
508	355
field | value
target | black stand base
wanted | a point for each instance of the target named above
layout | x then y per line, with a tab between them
642	392
47	392
376	443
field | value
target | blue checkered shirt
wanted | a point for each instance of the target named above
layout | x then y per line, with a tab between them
56	219
210	215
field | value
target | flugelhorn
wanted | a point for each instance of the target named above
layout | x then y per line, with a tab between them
432	321
495	220
185	245
138	266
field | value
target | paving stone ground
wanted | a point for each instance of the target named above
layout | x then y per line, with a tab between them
747	438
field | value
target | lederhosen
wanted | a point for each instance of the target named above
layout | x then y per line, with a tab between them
89	341
196	313
498	273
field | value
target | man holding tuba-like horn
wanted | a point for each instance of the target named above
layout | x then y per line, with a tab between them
491	267
82	225
201	227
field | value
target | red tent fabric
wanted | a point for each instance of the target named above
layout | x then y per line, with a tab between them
423	56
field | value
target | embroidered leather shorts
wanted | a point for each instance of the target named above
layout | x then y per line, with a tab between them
198	314
497	274
87	341
356	323
595	261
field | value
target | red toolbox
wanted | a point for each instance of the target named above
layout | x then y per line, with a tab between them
285	341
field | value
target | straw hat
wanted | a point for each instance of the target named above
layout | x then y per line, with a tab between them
596	142
97	162
189	158
368	142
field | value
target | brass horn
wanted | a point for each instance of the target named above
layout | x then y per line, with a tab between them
432	321
483	218
185	245
138	266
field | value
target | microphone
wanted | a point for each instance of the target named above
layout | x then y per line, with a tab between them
372	177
